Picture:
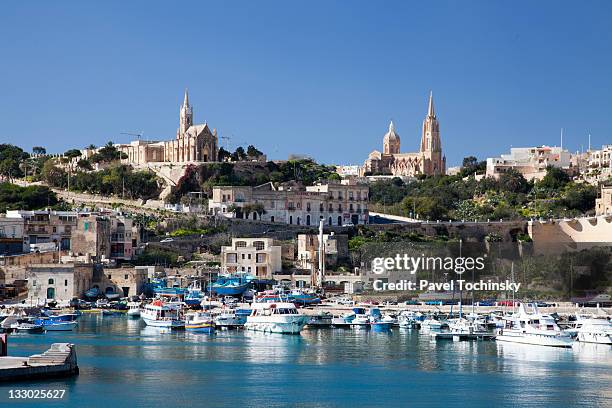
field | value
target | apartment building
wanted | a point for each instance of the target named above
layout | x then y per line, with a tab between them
259	257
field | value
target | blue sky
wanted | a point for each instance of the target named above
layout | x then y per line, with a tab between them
321	78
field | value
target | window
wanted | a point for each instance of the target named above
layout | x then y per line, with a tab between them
259	245
249	256
291	219
51	281
243	257
65	282
125	276
240	244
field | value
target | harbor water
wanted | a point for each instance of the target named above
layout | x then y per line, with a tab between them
124	363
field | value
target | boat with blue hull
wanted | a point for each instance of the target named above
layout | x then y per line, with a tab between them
199	322
231	285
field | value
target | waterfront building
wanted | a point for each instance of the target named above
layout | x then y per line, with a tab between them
193	143
336	203
60	282
260	257
429	160
603	205
531	162
124	281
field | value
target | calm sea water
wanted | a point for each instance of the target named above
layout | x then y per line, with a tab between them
124	363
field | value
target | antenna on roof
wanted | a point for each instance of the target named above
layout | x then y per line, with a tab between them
561	138
138	135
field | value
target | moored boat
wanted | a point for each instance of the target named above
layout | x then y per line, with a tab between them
533	328
199	322
160	314
282	317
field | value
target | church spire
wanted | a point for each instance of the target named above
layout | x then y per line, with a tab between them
391	127
186	100
430	109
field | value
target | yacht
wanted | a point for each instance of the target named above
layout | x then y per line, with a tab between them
533	328
160	314
282	317
432	323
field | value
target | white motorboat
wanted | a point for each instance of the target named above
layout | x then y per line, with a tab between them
160	314
231	318
533	328
431	323
594	330
408	319
133	309
281	317
361	320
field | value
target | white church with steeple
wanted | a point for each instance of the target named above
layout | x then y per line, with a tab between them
428	160
193	143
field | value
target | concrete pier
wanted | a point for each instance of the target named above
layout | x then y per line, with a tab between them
59	361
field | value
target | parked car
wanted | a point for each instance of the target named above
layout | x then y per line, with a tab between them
163	241
508	303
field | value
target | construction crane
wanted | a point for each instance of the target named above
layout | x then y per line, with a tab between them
138	135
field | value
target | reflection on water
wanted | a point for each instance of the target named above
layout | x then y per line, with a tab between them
132	364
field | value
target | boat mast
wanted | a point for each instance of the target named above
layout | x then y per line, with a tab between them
321	272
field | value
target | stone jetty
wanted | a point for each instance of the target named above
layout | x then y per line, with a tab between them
59	361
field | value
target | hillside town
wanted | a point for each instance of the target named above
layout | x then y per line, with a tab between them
117	217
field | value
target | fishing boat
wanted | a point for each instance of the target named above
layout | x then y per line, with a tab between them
133	309
233	285
160	314
199	322
281	317
533	328
24	326
60	322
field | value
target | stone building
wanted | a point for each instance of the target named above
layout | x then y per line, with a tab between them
259	257
428	160
92	236
60	282
603	205
123	281
193	143
336	249
337	203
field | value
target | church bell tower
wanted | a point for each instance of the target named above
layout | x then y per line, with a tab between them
186	116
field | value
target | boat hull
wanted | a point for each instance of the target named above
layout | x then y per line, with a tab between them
169	324
133	312
289	326
60	326
200	328
597	338
536	340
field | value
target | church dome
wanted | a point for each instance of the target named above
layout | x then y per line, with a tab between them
391	141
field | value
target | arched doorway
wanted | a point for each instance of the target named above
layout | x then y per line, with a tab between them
308	220
291	219
329	221
340	220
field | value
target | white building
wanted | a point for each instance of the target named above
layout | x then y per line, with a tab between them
255	256
531	162
60	282
334	203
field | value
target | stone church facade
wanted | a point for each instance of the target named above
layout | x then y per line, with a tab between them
193	143
428	160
